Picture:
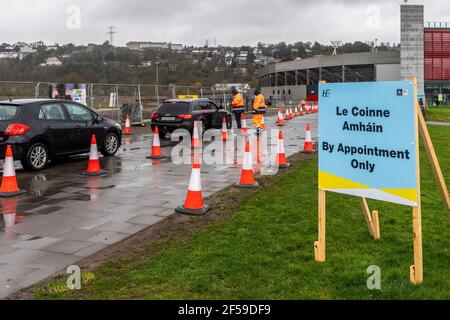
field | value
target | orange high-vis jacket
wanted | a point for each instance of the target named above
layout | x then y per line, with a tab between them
260	102
238	101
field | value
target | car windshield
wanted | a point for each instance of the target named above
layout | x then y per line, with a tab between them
9	112
174	108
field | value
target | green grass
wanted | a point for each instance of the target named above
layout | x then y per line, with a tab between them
266	250
438	114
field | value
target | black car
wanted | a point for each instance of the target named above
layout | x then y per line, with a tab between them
181	114
41	129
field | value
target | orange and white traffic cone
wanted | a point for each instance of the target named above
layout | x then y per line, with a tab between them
194	200
127	130
281	161
291	113
196	142
224	130
156	149
9	186
94	169
308	140
247	177
296	114
280	122
244	130
301	113
287	116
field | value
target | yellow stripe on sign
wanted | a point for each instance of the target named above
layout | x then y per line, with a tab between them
330	181
410	194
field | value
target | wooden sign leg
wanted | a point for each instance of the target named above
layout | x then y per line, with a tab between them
376	226
371	219
320	246
434	162
417	269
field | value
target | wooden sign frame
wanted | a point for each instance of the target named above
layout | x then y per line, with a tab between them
372	220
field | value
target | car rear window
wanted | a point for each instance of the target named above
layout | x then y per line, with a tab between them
9	112
174	108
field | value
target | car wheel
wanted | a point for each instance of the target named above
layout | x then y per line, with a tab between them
110	145
36	158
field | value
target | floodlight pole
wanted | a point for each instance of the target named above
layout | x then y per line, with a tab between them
157	81
335	44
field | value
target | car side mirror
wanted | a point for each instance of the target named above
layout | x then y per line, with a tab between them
98	118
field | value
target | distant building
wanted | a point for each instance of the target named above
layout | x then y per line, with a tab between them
147	63
52	62
229	57
37	44
260	59
240	71
9	55
242	58
241	87
142	45
257	51
176	47
51	48
26	49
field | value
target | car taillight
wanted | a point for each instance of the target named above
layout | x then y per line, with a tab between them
185	116
16	129
155	116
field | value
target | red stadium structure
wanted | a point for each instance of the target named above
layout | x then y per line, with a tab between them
437	62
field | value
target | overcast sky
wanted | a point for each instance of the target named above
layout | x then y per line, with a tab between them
231	22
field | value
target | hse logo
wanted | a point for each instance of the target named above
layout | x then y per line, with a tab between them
402	92
326	93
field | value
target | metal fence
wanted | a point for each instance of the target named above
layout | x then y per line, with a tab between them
116	100
109	99
17	90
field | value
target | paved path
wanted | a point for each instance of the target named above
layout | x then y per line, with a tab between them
437	123
66	217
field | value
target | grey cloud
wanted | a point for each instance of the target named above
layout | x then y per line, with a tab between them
192	21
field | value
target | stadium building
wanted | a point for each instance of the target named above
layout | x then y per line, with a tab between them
425	54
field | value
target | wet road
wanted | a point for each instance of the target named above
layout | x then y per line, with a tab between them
65	217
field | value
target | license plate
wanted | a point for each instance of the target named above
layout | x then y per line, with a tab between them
168	119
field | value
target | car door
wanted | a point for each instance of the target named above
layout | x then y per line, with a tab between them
208	113
54	121
217	115
84	124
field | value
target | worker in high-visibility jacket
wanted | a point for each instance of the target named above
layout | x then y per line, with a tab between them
259	110
238	106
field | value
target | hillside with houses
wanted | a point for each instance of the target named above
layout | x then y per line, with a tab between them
138	61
